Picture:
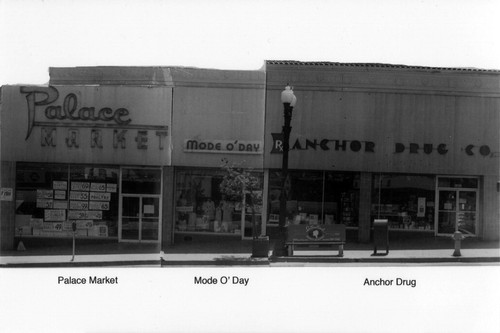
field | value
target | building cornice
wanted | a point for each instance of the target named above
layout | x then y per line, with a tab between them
288	63
382	78
110	75
157	76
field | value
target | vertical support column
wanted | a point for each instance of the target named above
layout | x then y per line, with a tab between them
167	229
365	195
7	208
284	166
265	198
488	226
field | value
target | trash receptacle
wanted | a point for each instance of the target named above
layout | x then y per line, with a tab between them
380	235
260	247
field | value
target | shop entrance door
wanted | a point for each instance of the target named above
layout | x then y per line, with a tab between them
140	218
247	227
457	211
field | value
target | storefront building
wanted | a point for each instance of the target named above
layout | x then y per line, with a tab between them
417	146
218	117
93	148
135	154
129	154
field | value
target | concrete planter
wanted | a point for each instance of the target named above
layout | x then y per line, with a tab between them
260	247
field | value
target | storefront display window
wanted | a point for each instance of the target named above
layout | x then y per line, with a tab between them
316	197
50	197
201	207
407	201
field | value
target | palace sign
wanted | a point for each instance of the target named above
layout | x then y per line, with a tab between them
48	110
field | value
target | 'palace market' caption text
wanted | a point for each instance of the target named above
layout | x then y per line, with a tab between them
90	280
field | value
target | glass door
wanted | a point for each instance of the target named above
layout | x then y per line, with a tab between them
248	230
140	218
140	204
457	206
467	215
447	216
150	218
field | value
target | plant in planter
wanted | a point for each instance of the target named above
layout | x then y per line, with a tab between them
240	185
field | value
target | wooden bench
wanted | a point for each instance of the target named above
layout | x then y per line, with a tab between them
304	235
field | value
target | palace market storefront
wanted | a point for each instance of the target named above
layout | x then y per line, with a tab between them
90	155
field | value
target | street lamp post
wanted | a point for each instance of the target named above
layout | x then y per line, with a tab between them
288	99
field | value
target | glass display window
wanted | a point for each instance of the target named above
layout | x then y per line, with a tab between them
406	201
316	197
100	206
50	197
201	207
35	187
342	198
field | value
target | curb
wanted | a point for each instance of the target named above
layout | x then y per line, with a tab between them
325	259
261	262
250	262
82	264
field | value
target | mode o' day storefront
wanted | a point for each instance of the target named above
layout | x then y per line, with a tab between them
218	116
416	146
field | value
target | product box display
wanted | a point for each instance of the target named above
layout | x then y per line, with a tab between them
98	231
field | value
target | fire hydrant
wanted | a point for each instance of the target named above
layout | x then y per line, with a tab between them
457	237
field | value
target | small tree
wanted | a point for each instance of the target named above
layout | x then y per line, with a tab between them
238	182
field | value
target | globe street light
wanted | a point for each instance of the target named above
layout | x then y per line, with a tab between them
288	99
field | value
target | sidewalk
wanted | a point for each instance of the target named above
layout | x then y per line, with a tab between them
397	256
245	259
401	250
140	259
60	254
239	254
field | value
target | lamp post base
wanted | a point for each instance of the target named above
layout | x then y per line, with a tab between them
279	249
260	247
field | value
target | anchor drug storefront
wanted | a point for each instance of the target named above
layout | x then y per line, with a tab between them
93	155
416	146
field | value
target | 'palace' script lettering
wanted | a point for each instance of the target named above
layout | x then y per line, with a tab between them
43	96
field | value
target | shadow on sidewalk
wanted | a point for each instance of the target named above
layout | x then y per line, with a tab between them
222	245
60	246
